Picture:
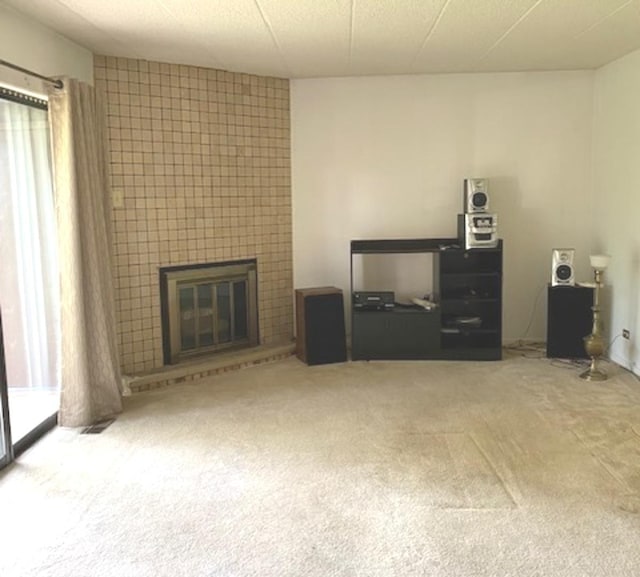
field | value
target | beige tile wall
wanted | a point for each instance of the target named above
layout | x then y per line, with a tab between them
202	159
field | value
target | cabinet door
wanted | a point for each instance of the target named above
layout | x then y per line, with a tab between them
395	334
470	294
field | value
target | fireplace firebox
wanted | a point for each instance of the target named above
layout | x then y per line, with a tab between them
207	308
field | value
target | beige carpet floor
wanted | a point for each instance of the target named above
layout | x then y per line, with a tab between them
513	468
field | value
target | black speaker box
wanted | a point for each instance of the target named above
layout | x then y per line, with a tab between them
320	328
569	320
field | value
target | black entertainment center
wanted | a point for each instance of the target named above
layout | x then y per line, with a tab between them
464	324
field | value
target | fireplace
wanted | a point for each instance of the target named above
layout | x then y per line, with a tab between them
207	308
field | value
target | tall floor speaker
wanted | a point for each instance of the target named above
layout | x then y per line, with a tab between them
569	320
320	330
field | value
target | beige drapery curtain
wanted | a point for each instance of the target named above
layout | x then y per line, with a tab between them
91	380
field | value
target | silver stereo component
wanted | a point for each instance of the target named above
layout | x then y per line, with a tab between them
478	230
562	272
475	195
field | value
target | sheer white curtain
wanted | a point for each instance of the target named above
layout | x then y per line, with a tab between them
29	294
91	377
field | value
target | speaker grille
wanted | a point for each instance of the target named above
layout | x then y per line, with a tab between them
479	200
563	272
320	326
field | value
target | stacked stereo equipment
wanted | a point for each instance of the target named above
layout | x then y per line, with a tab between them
477	227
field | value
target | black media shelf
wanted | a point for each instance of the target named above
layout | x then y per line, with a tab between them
466	325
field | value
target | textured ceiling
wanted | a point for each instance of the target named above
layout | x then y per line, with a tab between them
310	38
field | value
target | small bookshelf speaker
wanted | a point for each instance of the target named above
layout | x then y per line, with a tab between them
562	272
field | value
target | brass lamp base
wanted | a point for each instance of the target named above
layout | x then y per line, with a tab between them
593	373
594	343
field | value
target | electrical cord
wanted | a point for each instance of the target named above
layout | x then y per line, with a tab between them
520	345
538	348
630	364
528	350
570	364
606	350
533	311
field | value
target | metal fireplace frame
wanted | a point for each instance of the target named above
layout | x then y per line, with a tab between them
229	271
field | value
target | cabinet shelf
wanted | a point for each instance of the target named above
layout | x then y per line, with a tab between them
467	331
459	274
458	329
467	300
395	311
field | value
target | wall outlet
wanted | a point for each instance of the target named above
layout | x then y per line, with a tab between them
626	334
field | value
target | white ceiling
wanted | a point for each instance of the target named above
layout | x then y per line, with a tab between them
310	38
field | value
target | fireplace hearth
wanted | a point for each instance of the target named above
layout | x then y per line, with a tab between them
208	308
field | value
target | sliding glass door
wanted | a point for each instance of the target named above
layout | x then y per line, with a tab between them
29	294
5	430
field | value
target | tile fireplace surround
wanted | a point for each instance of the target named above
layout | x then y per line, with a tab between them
201	158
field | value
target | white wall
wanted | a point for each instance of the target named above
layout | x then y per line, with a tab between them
33	46
385	157
617	199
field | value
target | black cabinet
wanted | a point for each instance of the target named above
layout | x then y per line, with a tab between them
468	287
467	323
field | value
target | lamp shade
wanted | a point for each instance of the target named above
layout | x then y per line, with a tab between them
599	261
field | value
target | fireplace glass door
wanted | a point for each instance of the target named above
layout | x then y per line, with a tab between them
212	314
211	309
